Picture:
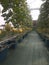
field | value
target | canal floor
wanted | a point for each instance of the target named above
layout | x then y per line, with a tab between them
31	51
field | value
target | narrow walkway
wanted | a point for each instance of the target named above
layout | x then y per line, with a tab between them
31	51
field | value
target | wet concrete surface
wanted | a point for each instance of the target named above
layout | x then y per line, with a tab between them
31	51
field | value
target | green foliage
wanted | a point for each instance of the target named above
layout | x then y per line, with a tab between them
43	20
18	12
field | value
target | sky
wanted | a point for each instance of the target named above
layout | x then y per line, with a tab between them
1	18
34	4
31	4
